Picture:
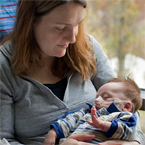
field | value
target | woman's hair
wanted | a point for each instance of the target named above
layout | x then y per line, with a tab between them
131	91
79	56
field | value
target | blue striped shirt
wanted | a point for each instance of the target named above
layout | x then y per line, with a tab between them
122	124
7	16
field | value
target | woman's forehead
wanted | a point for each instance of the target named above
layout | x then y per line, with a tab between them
70	13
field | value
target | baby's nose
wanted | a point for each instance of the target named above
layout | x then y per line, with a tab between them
99	100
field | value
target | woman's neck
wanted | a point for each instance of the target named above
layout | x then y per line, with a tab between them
43	74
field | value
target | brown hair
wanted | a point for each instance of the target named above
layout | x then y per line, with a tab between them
79	56
132	91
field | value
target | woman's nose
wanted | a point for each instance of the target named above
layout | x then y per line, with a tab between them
71	35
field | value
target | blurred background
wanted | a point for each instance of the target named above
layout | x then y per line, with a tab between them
119	26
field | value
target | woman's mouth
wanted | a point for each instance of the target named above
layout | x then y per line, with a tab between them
63	46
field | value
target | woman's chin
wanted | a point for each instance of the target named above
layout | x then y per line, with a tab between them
61	54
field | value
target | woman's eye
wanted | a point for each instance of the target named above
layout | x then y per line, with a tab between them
60	29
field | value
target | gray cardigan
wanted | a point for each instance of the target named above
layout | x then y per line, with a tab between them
28	107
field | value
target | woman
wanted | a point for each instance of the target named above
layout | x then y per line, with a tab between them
49	66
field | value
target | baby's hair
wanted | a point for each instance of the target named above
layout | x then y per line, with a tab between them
132	91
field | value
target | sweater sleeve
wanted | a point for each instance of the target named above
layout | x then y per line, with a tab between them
7	109
66	124
122	127
139	136
104	70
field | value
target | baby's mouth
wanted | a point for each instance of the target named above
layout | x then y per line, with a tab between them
99	106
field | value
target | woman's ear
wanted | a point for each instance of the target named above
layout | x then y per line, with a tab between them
127	106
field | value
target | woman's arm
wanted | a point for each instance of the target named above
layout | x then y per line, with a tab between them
118	142
139	136
7	108
104	70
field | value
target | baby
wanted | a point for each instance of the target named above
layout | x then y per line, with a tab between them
110	118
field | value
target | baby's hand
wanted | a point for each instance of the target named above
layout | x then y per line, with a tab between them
50	137
98	123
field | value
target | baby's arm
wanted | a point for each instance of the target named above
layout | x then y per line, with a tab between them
98	123
50	137
121	126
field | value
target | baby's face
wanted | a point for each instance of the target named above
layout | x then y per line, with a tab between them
113	91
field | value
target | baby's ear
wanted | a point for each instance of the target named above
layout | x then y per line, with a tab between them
127	106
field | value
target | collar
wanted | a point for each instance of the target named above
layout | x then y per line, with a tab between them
113	108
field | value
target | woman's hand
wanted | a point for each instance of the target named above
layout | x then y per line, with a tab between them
119	142
77	139
50	137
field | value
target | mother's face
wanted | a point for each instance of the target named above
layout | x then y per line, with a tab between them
57	29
